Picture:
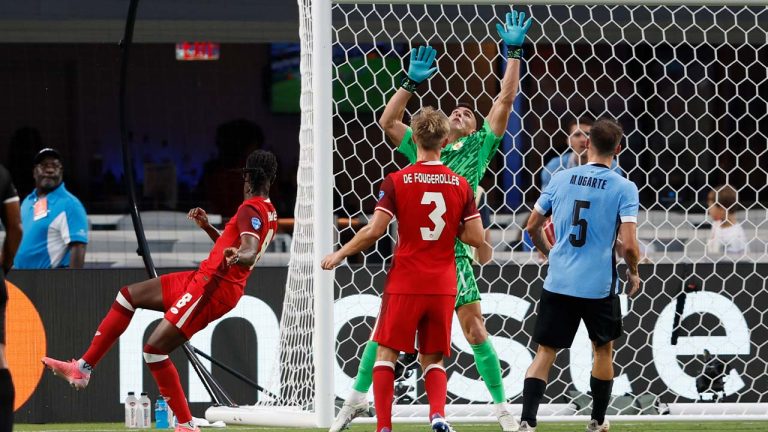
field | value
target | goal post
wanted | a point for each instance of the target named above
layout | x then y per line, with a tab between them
686	79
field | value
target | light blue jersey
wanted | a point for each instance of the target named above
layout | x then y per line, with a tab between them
50	224
587	203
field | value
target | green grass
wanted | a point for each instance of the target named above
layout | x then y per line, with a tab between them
460	427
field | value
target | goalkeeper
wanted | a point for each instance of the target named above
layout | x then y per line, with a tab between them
468	153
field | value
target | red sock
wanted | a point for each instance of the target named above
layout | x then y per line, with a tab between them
167	379
383	392
111	327
436	384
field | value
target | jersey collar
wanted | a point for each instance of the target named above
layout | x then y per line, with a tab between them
437	162
597	164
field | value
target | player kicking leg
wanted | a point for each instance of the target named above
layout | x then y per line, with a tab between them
147	295
190	311
193	299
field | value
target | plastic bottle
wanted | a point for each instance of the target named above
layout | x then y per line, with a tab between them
131	411
171	418
161	413
145	412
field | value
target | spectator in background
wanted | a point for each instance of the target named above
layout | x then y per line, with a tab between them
578	133
727	233
54	220
12	223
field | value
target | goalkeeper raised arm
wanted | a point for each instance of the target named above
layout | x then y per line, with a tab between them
470	149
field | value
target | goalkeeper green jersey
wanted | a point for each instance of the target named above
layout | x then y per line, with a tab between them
468	157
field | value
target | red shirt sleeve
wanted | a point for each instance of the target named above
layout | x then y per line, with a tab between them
250	221
387	196
470	208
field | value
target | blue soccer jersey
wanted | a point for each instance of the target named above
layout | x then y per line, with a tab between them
587	203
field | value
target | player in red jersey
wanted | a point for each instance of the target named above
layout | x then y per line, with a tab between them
433	206
191	299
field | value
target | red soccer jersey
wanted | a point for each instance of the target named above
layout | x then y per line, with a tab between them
429	201
256	217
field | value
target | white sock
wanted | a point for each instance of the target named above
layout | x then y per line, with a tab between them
500	408
84	367
355	397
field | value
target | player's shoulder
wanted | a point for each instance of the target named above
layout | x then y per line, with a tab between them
622	182
257	203
563	174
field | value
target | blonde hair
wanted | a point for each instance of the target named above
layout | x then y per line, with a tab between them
430	128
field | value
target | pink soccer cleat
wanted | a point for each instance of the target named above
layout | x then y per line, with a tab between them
68	371
180	428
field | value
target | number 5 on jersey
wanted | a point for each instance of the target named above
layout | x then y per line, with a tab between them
578	240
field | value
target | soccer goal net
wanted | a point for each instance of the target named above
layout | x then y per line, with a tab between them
688	84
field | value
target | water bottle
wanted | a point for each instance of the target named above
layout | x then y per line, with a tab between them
163	414
131	411
171	419
145	412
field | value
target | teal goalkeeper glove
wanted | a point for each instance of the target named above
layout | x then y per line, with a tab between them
513	32
419	69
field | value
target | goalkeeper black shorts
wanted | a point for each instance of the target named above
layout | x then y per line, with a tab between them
559	316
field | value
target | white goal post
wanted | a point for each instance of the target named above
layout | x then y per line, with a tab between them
686	79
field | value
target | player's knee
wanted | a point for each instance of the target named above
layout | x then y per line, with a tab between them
430	360
603	353
546	354
125	300
474	331
153	355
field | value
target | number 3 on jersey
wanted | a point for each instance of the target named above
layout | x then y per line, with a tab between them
436	216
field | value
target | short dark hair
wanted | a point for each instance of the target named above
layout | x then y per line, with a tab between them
262	167
605	135
471	107
584	119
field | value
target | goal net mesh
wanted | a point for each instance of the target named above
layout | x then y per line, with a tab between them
688	86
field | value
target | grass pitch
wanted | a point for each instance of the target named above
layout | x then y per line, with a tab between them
460	427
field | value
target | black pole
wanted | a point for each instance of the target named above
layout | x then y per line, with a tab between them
236	374
138	227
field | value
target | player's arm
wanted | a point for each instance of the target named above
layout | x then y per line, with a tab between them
13	233
77	219
473	233
419	70
512	32
484	252
631	249
535	228
246	255
364	239
76	255
200	217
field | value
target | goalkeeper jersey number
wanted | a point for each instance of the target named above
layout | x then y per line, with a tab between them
468	157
